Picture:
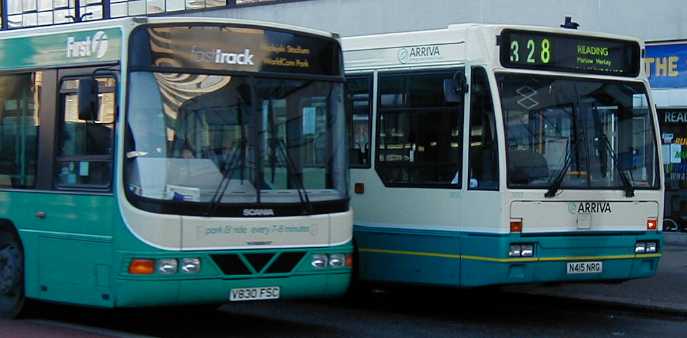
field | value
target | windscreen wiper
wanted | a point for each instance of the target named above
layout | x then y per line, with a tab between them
558	180
229	168
628	187
291	169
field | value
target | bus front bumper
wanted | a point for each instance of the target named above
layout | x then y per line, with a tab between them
293	271
140	293
461	259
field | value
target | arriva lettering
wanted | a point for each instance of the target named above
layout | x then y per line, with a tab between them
594	207
427	51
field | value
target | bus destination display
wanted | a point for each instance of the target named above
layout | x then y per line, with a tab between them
569	53
229	48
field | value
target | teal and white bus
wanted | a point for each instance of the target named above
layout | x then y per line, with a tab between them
156	161
503	155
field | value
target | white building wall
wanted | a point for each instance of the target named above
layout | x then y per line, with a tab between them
649	20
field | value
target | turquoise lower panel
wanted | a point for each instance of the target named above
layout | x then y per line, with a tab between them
471	259
212	284
135	293
477	273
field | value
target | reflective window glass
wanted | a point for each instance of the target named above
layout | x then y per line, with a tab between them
419	133
359	112
19	124
85	149
484	159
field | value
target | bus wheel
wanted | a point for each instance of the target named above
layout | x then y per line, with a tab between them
11	275
670	225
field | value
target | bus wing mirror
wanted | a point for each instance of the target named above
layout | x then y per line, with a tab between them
455	88
88	99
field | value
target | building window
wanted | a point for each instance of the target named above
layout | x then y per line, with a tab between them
253	2
484	159
419	132
29	13
359	106
19	97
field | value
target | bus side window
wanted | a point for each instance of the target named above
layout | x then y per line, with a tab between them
359	110
84	158
484	159
19	123
419	131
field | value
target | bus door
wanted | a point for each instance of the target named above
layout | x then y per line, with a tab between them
407	196
75	258
484	211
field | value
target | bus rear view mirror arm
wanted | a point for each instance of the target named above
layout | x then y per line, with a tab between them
455	89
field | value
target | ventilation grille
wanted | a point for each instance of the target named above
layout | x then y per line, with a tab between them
286	262
259	260
257	263
231	264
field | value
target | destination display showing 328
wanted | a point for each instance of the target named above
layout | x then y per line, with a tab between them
569	53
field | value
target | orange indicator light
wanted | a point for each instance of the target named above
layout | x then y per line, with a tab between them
349	261
651	224
142	266
516	225
359	188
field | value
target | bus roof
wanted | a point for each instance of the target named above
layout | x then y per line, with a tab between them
96	42
455	44
455	33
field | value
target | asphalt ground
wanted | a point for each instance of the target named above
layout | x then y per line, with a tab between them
667	291
396	312
37	328
640	308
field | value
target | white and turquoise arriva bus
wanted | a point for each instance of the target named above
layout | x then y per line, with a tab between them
491	154
172	161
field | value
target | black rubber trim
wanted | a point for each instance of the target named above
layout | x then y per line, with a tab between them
235	210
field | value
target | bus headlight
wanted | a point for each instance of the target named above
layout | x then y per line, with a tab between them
167	266
337	260
640	247
527	250
514	250
190	265
521	250
651	247
319	261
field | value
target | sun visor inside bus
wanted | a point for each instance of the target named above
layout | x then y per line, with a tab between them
244	49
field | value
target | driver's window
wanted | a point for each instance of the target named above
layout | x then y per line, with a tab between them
484	162
84	158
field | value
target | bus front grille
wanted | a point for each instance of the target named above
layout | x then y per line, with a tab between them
257	263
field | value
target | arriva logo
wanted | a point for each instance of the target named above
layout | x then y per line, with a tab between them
95	45
258	212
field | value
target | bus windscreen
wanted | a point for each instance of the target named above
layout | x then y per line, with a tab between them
569	53
234	48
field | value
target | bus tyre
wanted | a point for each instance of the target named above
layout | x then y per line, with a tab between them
11	275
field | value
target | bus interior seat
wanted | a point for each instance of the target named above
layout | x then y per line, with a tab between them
526	166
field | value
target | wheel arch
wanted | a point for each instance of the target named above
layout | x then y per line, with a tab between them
8	225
